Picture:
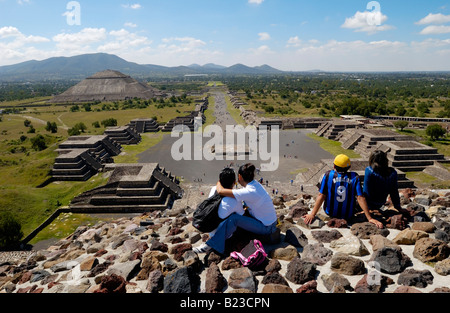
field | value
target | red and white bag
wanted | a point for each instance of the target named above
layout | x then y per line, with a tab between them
252	255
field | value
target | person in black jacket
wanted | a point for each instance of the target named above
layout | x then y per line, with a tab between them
381	181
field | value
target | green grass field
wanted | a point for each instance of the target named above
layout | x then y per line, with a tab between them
130	153
333	147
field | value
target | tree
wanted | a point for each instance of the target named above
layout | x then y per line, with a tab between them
51	127
27	123
111	122
435	131
401	124
10	231
38	143
77	129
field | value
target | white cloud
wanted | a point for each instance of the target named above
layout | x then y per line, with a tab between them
131	25
123	41
135	6
257	2
264	36
14	45
175	51
368	22
434	19
359	55
9	31
19	39
262	50
80	40
22	2
435	29
294	42
185	43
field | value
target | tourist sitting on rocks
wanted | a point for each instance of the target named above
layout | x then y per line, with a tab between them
339	190
380	181
228	205
260	220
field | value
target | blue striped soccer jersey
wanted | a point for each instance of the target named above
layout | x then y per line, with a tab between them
341	190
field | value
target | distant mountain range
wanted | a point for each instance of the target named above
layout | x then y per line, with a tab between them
82	66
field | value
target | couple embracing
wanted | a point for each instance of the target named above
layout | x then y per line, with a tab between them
250	208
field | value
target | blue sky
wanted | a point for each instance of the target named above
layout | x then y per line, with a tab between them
347	35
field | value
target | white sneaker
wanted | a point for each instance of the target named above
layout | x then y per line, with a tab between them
204	248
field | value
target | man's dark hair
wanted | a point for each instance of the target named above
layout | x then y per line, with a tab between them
341	169
247	171
227	178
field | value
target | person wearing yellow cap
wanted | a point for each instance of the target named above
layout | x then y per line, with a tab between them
339	190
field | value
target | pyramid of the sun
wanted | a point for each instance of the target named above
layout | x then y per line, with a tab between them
106	86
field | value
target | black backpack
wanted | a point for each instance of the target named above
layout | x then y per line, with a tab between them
206	216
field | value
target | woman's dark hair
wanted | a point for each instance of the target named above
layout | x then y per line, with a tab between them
379	162
247	171
227	178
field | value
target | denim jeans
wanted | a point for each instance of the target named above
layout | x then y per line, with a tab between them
229	226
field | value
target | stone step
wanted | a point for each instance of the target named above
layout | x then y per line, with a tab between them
71	171
126	200
407	169
402	184
352	141
110	209
419	163
402	157
66	165
323	129
83	177
139	191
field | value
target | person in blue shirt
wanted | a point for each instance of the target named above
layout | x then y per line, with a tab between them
339	191
381	181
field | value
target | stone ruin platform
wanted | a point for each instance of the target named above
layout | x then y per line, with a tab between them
332	129
365	141
132	188
81	157
190	122
75	165
124	135
292	123
411	156
145	125
101	146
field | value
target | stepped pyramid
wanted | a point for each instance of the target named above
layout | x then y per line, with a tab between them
132	188
81	157
108	85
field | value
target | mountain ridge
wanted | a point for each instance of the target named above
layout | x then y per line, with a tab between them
84	65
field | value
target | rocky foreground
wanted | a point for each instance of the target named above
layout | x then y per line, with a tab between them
153	253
